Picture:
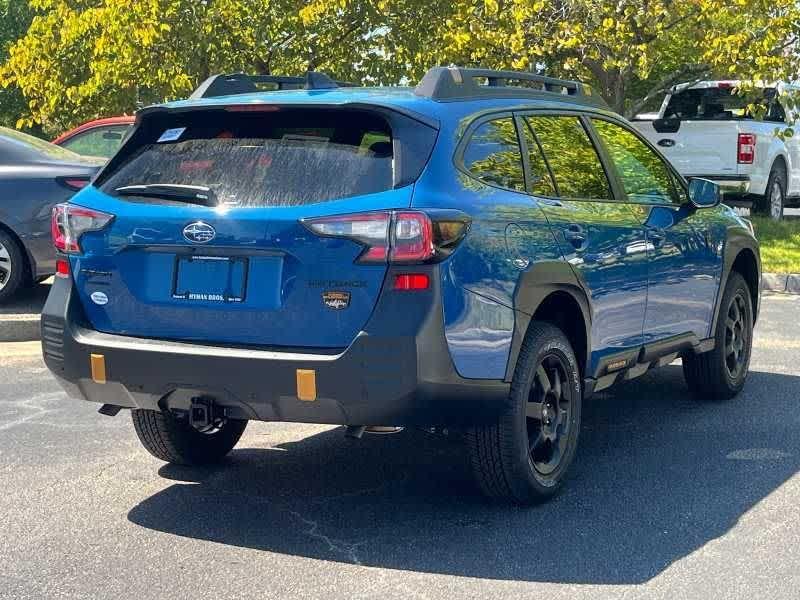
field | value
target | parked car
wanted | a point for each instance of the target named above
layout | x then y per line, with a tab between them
34	176
706	130
467	253
101	137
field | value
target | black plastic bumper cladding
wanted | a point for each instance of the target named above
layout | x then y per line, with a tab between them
397	371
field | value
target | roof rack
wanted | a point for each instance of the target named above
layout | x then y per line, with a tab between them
239	83
451	83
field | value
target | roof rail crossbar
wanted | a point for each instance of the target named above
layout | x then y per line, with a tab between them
450	83
240	83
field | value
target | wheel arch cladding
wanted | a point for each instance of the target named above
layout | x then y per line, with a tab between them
746	265
561	301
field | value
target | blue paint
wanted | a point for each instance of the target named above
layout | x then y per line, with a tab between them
637	289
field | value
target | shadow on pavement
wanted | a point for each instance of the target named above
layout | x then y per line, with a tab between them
657	476
28	301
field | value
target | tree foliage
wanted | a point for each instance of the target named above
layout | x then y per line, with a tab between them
84	58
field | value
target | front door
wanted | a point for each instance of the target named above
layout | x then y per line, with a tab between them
684	262
599	235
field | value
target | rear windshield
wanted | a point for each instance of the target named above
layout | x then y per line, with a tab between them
259	159
720	104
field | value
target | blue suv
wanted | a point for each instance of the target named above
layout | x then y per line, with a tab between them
481	252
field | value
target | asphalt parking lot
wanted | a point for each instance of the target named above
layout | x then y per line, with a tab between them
668	498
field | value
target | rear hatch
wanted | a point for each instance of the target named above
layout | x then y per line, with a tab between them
233	263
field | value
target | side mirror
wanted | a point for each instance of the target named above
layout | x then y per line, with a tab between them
703	193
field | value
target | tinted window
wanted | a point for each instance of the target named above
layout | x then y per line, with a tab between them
645	177
100	141
256	159
721	103
572	157
541	181
493	155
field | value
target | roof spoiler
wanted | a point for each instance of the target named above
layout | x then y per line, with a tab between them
240	83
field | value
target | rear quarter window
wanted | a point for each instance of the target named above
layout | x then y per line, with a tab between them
493	155
261	159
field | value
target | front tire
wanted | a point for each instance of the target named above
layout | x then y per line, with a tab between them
174	440
721	373
523	458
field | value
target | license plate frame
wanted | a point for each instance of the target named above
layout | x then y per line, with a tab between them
231	288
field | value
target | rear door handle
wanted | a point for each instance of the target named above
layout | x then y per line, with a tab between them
575	235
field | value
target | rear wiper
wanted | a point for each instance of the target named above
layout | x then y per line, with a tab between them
193	194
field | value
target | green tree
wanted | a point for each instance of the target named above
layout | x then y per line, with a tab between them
15	17
630	50
86	58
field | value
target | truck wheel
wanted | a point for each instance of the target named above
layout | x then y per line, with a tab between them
772	204
523	457
720	374
175	441
13	268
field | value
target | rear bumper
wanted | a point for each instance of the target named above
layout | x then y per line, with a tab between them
729	184
397	371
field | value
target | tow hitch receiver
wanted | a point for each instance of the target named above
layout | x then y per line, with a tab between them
201	412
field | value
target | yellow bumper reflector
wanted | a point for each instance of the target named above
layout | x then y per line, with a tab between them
98	362
306	385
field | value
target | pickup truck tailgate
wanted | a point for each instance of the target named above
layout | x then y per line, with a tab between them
698	147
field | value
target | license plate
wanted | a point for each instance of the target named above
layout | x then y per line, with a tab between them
210	278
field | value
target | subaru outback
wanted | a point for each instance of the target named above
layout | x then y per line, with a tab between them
482	252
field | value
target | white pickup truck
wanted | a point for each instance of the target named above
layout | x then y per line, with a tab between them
705	130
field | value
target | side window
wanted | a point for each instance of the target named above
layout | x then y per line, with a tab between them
572	156
100	141
541	181
493	155
644	175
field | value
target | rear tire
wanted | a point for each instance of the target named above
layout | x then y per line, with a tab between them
523	458
13	267
774	200
721	373
173	440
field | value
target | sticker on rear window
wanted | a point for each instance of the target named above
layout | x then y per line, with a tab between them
170	135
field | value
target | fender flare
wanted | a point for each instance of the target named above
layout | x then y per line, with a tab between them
737	241
540	281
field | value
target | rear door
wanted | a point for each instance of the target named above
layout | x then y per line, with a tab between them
246	271
599	235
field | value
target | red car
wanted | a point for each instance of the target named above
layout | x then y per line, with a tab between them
100	137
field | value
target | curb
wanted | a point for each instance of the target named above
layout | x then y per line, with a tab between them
20	328
781	282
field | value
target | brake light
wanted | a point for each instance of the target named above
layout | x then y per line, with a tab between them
69	222
411	282
62	268
397	237
252	108
746	149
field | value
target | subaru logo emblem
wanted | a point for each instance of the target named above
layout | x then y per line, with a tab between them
199	232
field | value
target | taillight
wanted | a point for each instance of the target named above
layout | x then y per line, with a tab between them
404	237
746	149
74	183
69	222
